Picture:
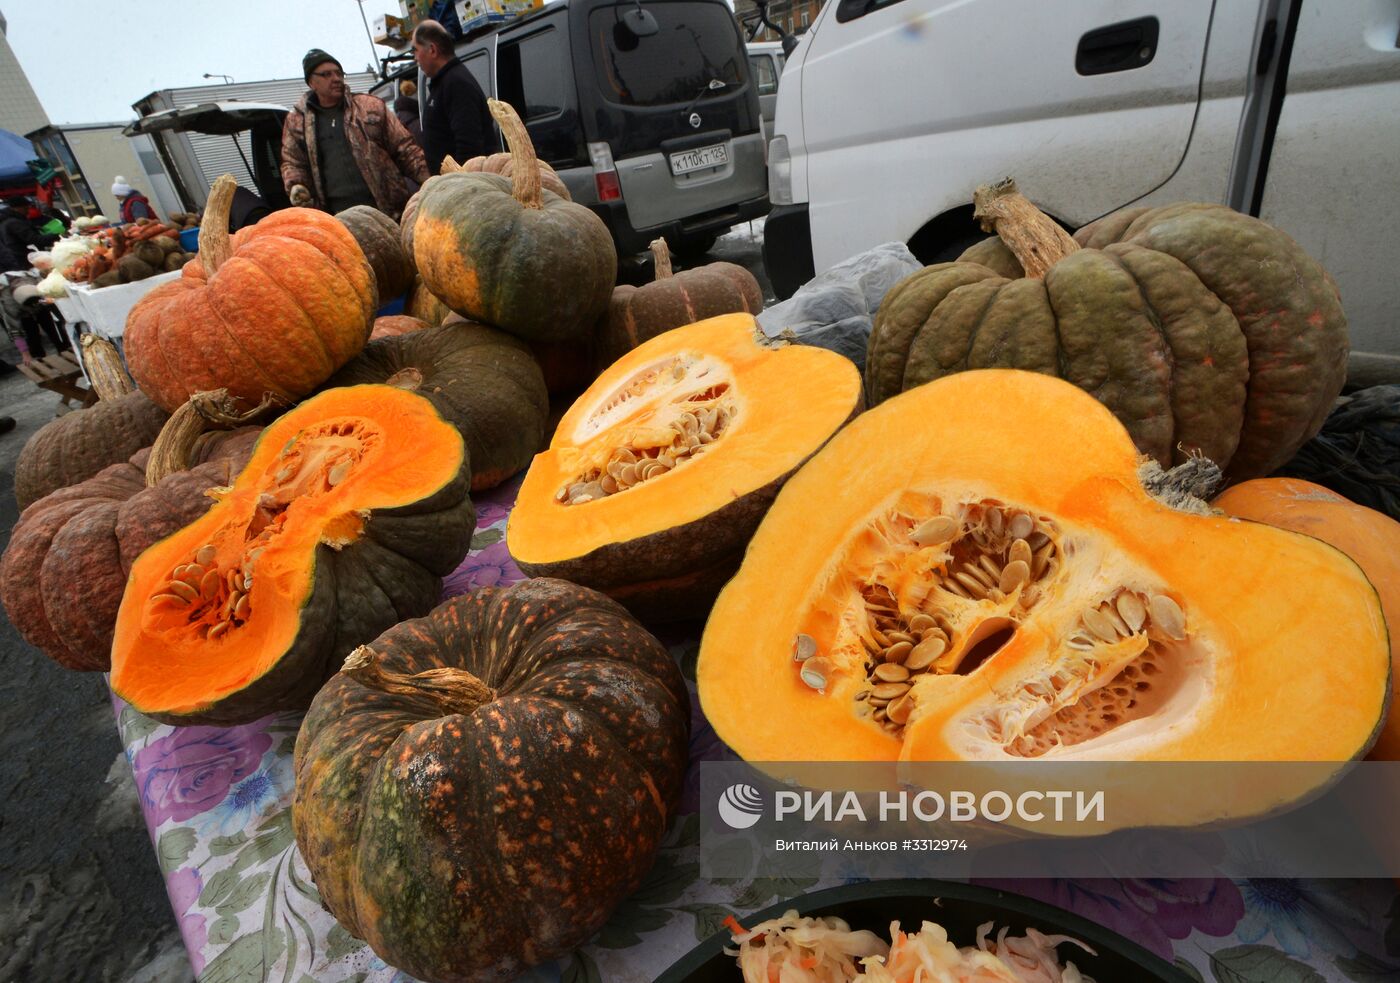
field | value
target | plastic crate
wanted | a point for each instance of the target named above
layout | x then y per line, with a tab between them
189	240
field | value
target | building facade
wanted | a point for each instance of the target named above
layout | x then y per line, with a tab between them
20	109
795	16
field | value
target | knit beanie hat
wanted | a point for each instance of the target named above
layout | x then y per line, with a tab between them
120	189
314	59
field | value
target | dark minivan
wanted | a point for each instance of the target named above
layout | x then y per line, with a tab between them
648	112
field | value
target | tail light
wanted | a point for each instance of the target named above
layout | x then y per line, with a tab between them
604	172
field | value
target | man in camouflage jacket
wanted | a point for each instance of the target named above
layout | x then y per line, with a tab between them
340	149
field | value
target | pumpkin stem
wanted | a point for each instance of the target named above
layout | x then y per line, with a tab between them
524	166
661	257
215	244
449	165
179	441
454	690
1186	487
1028	232
104	368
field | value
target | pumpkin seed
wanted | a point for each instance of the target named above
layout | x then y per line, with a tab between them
1041	559
1119	625
193	575
627	477
804	647
974	587
1131	610
1037	539
922	621
1167	615
991	566
168	598
562	494
219	630
231	604
896	653
242	608
704	437
625	455
889	691
862	695
891	672
926	653
814	672
900	636
939	529
876	701
953	587
996	521
1021	526
209	585
1099	624
338	473
900	709
206	555
881	715
182	590
1017	572
1020	550
609	485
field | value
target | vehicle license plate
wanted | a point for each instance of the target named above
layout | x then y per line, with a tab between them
700	158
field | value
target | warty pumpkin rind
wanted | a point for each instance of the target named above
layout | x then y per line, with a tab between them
472	845
542	274
1202	328
664	545
79	444
483	381
1369	537
1280	630
292	304
335	555
63	572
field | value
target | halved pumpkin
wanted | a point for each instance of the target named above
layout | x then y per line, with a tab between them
352	507
973	570
659	473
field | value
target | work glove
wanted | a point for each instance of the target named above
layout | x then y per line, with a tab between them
299	195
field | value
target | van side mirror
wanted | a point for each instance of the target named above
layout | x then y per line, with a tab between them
789	44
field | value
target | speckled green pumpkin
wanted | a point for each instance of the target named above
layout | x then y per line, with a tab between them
503	251
1202	329
469	842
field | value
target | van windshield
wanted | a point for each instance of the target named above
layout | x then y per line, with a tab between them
697	42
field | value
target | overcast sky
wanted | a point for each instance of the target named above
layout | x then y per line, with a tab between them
89	60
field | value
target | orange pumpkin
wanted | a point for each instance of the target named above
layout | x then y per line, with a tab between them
392	325
1369	537
274	309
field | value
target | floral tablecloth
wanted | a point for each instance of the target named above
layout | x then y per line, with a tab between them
217	802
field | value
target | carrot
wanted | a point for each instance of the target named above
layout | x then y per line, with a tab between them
732	923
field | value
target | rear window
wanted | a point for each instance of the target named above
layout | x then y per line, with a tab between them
695	43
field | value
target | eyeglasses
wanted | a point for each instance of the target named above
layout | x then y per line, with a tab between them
334	73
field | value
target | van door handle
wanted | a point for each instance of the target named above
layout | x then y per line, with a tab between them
1117	47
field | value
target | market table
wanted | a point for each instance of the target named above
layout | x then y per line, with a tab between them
217	803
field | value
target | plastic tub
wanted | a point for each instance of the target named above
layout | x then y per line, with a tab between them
189	240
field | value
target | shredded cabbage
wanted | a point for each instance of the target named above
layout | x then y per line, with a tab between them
53	285
794	949
69	250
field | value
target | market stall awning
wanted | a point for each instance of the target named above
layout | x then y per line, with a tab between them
15	154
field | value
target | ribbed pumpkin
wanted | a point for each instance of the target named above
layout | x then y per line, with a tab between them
70	553
351	509
502	251
424	305
1202	329
671	300
478	790
392	325
504	165
482	381
378	236
1369	537
81	443
974	570
658	474
276	309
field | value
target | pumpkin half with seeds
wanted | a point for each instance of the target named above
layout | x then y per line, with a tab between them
1205	331
659	473
478	790
973	570
351	509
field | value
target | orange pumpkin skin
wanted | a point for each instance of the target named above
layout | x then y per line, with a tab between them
394	325
1369	537
292	303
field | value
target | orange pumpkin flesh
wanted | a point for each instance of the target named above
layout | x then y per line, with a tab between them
1270	645
665	542
1369	537
349	509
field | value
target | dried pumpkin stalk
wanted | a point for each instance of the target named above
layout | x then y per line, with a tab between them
182	436
1038	242
104	368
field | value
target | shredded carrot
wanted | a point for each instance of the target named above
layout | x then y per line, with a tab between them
732	923
809	962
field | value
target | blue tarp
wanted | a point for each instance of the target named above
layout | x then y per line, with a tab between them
15	152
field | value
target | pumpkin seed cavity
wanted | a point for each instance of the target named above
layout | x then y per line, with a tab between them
212	597
669	428
940	591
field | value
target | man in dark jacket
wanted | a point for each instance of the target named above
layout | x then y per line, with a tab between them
406	109
17	234
340	149
456	122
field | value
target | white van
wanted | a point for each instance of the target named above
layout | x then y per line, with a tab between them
892	112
